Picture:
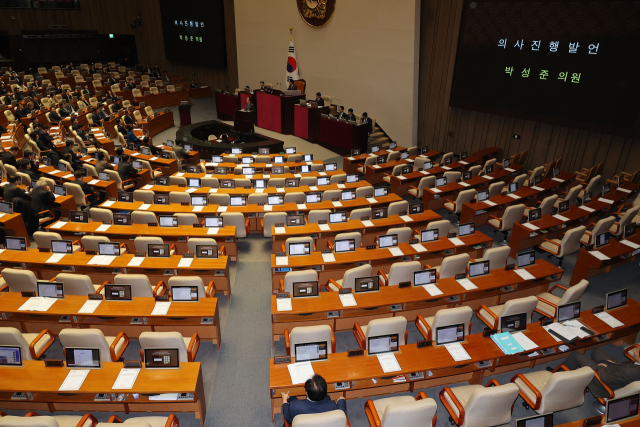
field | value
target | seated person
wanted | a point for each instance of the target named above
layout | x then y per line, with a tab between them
102	163
351	116
125	168
11	190
70	156
615	375
342	114
42	199
154	150
132	138
54	117
316	402
86	188
26	167
319	100
291	85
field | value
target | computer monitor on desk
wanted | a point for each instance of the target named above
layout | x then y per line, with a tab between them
450	334
525	259
82	357
345	245
477	269
429	235
311	351
50	289
159	251
513	322
337	217
601	240
324	180
62	246
237	200
380	191
79	216
184	293
6	207
16	243
303	248
108	248
117	292
207	251
568	312
545	420
10	356
424	277
161	358
167	221
367	284
379	213
275	200
622	408
466	229
213	221
383	344
629	230
194	182
313	198
616	299
483	195
387	241
305	289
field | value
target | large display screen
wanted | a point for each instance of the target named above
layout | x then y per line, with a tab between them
574	63
194	31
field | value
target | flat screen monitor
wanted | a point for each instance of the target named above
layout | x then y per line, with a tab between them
295	220
348	195
380	191
62	246
6	207
303	248
537	179
47	161
184	293
194	182
375	148
416	208
206	251
227	183
308	158
429	235
535	214
387	241
513	187
345	245
162	180
213	221
383	344
291	182
336	217
616	299
622	408
424	277
108	248
556	172
305	289
483	195
563	206
586	198
260	183
161	358
305	169
79	216
236	200
404	155
606	189
125	196
449	334
331	167
16	243
263	151
324	180
313	198
169	143
145	150
569	311
601	240
545	420
406	169
440	181
278	159
137	164
82	357
103	176
248	171
159	250
367	284
629	230
378	213
167	221
513	322
59	190
277	170
477	269
311	351
10	356
236	151
118	159
290	150
217	159
488	170
353	178
248	160
50	289
199	200
525	259
467	175
62	167
427	165
122	219
160	199
275	200
466	229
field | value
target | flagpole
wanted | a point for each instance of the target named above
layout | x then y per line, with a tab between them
290	33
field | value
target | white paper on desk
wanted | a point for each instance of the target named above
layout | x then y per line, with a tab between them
558	179
456	241
524	274
342	186
260	190
144	207
425	173
210	164
599	255
297	175
37	304
348	300
222	208
95	260
446	168
269	165
322	173
401	177
300	372
268	207
164	397
603	200
89	306
586	208
208	175
467	284
266	175
74	380
514	196
372	155
153	158
103	227
524	341
185	262
135	154
351	158
190	190
432	289
630	244
457	351
537	188
576	325
212	230
108	203
337	204
280	190
609	319
624	190
324	227
509	170
418	247
406	218
329	257
301	206
94	181
396	251
283	304
107	259
388	362
161	308
436	190
68	176
531	226
280	230
464	184
376	166
55	172
463	162
197	209
180	174
567	332
282	260
58	224
136	261
313	188
126	379
248	176
147	187
55	258
487	177
490	203
371	200
213	190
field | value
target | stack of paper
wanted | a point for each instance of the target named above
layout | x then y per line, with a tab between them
280	230
537	188
388	362
487	177
371	200
568	333
561	218
144	206
147	187
367	223
107	203
190	190
524	274
342	186
337	204
558	180
197	209
301	206
457	351
396	251
432	289
283	304
280	190
509	170
126	379
599	255
161	308
213	190
456	241
609	319
212	230
586	208
164	396
418	247
330	257
185	262
406	218
630	244
103	227
490	203
506	343
101	260
436	190
524	341
313	188
608	201
467	284
513	196
531	226
348	300
136	261
74	380
58	224
300	372
268	208
37	304
222	208
282	260
324	227
464	184
55	258
90	306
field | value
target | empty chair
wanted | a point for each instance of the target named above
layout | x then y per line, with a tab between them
445	157
293	240
497	257
532	175
548	303
355	235
142	217
318	215
32	346
20	280
366	191
618	227
452	265
219	199
330	195
396	208
210	182
194	281
336	418
445	317
359	213
111	348
510	216
187	218
242	183
396	171
593	187
92	243
311	181
569	244
349	278
43	239
443	226
492	316
31	419
292	158
336	179
238	220
463	197
274	182
475	170
193	242
546	205
140	285
403	411
393	156
77	284
286	284
179	197
309	334
571	196
602	226
399	272
81	200
177	180
490	162
270	219
369	161
555	391
403	233
452	176
496	188
142	244
377	327
296	197
187	346
480	406
145	196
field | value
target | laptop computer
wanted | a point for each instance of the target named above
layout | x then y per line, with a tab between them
117	292
302	248
50	289
305	289
367	284
10	355
513	323
525	259
622	408
345	245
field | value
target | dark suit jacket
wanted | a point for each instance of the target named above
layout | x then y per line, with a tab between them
54	116
181	153
296	407
250	107
343	116
101	165
32	174
368	124
292	87
616	376
125	169
96	118
11	192
8	159
320	102
42	200
128	119
131	86
113	81
86	188
351	117
18	113
117	107
8	99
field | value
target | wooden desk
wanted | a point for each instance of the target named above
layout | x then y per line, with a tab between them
225	236
141	178
246	191
113	317
523	238
343	137
258	175
216	270
307	122
380	259
435	201
378	171
361	371
528	196
13	225
588	265
351	163
162	100
413	301
226	105
275	111
44	383
108	187
369	234
200	92
158	123
168	166
264	166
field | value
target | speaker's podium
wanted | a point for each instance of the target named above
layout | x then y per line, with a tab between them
243	121
307	120
185	113
275	110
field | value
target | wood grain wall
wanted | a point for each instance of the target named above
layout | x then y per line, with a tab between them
454	129
116	17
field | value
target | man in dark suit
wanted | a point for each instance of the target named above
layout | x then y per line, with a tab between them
291	86
316	402
74	159
367	122
33	93
341	113
85	91
11	190
54	117
117	106
351	116
131	84
181	153
132	138
8	99
42	199
262	86
99	115
25	167
92	69
17	95
9	157
319	99
102	164
154	150
249	107
65	110
20	112
86	188
128	118
125	168
112	80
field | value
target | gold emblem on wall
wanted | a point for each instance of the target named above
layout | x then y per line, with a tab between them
316	13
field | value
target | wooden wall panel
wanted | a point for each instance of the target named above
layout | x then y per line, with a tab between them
454	129
116	17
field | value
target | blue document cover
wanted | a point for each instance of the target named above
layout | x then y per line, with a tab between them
507	343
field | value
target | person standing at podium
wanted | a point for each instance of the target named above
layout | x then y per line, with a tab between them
367	122
342	114
250	108
319	101
351	116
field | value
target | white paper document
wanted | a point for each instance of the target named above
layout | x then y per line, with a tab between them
126	379
567	332
89	306
337	204
396	251
282	260
624	190
376	166
55	258
436	190
197	209
464	184
457	351
280	190
268	208
509	170
401	177
108	203
58	224
68	176
161	308
586	208
418	247
371	200
351	158
446	168
37	304
348	300
425	173
561	218
144	207
341	186
531	226
212	230
599	255
322	173
388	362
74	380
432	289
103	227
324	227
406	218
524	341
456	241
367	223
558	180
524	274
630	244
185	262
609	319
259	190
301	206
602	199
147	187
190	190
300	372
222	208
513	196
180	174
283	304
213	190
463	162
136	261
280	230
329	257
313	188
467	284
537	188
489	177
490	203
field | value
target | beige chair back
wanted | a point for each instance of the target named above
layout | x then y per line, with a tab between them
404	233
91	243
140	284
511	215
76	284
188	281
164	340
318	215
453	316
565	390
292	240
402	272
310	334
359	213
43	238
570	243
237	219
86	338
454	264
101	215
350	276
396	208
517	306
497	257
386	326
490	406
442	226
335	418
298	276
